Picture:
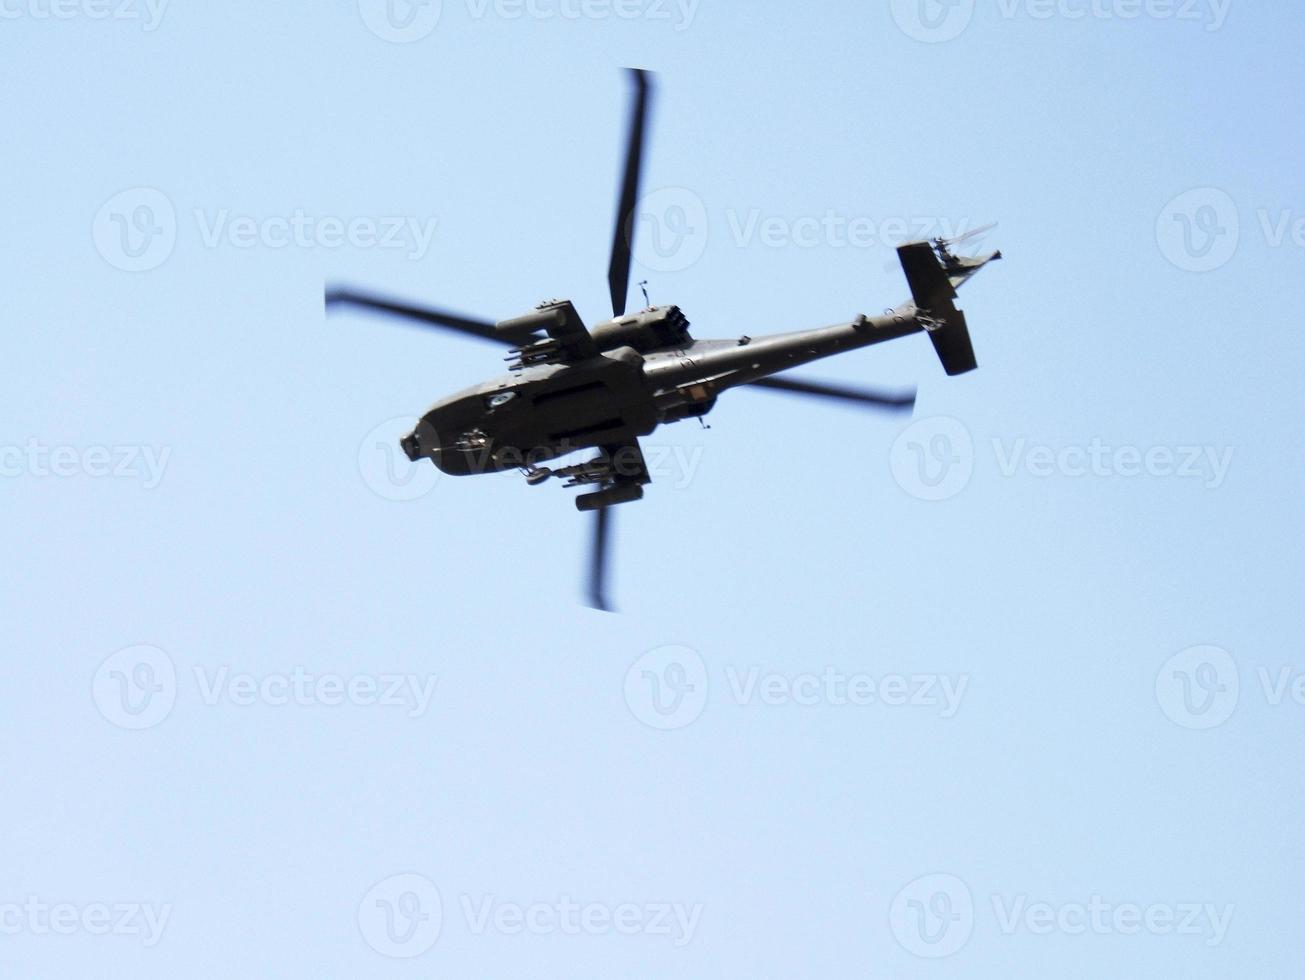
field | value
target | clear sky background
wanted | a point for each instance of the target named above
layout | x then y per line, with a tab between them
179	633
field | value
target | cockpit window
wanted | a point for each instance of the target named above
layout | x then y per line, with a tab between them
500	399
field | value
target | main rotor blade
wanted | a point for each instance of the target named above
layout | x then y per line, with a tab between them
893	401
618	271
337	296
599	547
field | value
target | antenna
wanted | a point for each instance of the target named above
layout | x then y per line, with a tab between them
643	285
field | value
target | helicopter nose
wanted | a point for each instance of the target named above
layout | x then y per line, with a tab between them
421	443
411	444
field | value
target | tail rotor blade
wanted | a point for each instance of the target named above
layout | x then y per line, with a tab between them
969	235
892	401
338	297
618	271
599	548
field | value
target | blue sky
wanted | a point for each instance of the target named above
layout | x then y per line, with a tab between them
1009	688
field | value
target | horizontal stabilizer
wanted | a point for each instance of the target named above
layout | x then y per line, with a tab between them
934	274
952	342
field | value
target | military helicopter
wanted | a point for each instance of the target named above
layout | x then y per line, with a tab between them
569	388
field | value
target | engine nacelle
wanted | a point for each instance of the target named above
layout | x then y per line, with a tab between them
661	326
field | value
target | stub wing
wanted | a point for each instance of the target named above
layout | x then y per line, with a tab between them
566	342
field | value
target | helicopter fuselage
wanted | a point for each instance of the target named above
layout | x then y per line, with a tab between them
544	411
